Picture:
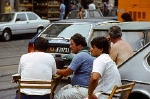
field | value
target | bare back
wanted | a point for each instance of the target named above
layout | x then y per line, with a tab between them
120	51
80	14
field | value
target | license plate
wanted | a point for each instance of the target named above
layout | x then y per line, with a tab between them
59	50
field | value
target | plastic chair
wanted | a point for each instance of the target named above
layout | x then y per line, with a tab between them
126	88
35	85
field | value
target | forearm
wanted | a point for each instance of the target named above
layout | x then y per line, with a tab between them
61	72
64	72
92	86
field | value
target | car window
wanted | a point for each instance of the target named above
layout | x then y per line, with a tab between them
148	59
135	39
21	17
66	30
73	15
6	17
87	14
72	29
32	16
99	33
94	14
148	37
112	13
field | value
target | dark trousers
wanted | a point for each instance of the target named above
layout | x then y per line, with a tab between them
24	96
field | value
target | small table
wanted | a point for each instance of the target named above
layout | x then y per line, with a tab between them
56	80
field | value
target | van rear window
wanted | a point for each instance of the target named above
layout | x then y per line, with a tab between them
148	60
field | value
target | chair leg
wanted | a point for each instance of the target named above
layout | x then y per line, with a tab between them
19	96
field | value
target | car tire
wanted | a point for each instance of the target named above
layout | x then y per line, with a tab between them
6	35
39	29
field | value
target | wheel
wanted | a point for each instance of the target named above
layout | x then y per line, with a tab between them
138	96
39	29
6	35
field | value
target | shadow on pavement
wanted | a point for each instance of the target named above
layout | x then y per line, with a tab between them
20	37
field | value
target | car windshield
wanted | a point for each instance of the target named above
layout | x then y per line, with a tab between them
66	30
6	17
89	14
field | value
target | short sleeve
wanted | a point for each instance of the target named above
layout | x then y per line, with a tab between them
98	66
76	62
53	66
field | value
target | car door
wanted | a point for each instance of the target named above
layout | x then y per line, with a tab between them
34	22
21	24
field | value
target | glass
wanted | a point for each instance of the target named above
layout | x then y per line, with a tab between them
6	17
66	30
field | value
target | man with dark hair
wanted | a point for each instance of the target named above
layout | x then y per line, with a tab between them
80	68
105	74
41	44
37	65
120	50
126	17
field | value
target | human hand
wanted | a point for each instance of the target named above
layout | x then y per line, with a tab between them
91	97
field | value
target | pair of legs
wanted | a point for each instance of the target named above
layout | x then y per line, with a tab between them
71	92
62	16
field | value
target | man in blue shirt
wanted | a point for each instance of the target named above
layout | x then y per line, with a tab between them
80	68
62	10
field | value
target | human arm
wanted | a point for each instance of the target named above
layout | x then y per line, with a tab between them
64	72
74	65
80	15
93	84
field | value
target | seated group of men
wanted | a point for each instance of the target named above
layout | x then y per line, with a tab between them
93	70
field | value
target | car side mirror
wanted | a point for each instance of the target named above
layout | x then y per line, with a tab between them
18	19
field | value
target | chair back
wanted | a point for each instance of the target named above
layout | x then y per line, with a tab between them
34	85
126	89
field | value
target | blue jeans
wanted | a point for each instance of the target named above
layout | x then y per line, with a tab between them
24	96
62	16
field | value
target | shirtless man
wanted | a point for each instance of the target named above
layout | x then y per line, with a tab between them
120	50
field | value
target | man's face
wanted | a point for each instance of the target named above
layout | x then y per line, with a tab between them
95	51
108	37
111	39
74	47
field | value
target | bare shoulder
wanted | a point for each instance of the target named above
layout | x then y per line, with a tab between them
122	43
121	46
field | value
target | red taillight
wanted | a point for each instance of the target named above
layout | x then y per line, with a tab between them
30	48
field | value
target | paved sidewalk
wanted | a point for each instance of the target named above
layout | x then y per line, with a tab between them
10	89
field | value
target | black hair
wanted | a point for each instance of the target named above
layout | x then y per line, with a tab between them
115	32
79	39
126	17
80	8
8	2
101	42
41	44
61	1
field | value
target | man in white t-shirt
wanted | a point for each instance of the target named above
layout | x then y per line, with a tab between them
92	6
105	74
37	65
